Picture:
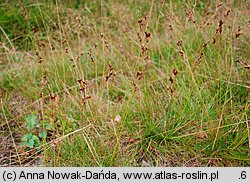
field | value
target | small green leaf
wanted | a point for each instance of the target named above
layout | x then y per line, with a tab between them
30	121
30	143
43	122
25	138
74	125
36	140
43	134
49	126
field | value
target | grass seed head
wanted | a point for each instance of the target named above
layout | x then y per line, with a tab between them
238	33
139	75
175	72
171	80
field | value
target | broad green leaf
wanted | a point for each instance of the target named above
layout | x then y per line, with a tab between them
43	134
30	143
30	121
35	138
30	136
36	141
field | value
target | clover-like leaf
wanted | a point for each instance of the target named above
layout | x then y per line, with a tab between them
36	140
30	143
43	134
25	138
30	121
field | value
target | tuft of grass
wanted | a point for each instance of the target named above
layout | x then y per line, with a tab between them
126	83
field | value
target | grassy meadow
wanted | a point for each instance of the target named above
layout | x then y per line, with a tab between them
125	83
